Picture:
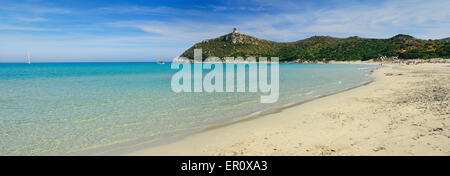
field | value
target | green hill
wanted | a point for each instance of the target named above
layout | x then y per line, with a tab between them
322	47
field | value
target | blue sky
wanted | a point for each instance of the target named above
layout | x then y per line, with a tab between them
139	30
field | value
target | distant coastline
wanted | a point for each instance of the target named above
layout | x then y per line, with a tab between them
321	48
379	60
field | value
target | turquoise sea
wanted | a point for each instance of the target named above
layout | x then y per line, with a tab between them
85	108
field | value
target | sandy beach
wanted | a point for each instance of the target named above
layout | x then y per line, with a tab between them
404	111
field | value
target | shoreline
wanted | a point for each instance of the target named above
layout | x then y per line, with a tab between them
138	145
279	108
251	136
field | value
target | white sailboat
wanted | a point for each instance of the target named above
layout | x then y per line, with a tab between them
28	57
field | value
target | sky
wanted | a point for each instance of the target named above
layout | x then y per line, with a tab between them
142	30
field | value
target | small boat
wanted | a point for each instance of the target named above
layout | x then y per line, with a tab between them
28	57
160	62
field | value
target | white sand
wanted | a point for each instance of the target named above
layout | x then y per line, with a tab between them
405	111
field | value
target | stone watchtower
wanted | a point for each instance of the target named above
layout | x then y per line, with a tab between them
235	30
235	37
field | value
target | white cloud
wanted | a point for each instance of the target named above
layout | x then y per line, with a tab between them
185	31
32	19
21	28
384	20
423	19
147	10
23	8
70	48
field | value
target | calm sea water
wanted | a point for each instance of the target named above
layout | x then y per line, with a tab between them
66	108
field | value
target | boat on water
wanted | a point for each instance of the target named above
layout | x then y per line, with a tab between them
160	62
28	57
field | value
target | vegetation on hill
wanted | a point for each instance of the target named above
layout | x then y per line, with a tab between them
322	48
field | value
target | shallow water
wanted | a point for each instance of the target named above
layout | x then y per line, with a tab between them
63	108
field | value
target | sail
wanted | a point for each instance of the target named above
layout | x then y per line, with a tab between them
28	57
